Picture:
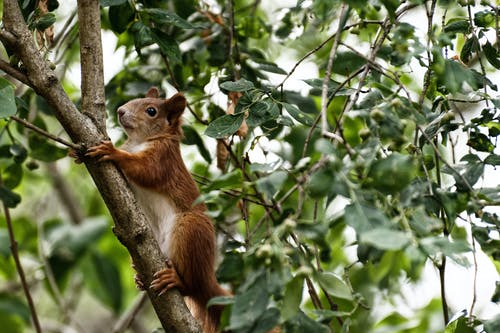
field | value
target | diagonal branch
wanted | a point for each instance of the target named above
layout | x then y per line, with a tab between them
130	224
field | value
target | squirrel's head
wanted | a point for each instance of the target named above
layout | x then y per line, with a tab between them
146	117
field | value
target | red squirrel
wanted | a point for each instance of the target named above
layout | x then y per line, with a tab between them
151	160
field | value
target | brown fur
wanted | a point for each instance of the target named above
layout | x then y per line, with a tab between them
157	165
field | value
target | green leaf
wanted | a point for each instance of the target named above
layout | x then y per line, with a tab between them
442	245
43	22
221	300
9	198
334	285
493	128
4	243
249	306
231	180
272	68
230	267
41	149
491	54
225	125
363	218
492	159
321	183
191	137
240	85
19	152
7	99
303	324
267	321
392	174
471	45
12	305
162	17
106	284
261	112
455	74
12	175
485	18
457	26
385	239
143	36
459	325
11	323
68	243
298	115
292	298
347	62
168	45
120	16
480	142
272	184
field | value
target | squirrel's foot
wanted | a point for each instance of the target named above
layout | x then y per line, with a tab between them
104	150
76	155
138	281
166	279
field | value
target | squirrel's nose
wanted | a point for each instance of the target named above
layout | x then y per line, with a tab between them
121	112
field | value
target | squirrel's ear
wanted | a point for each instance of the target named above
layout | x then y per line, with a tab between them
153	92
175	106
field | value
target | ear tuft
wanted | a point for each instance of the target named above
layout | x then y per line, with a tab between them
175	106
153	92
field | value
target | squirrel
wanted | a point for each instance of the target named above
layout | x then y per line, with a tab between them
151	160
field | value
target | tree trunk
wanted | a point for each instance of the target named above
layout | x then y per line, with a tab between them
88	128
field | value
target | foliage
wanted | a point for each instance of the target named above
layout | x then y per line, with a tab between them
328	199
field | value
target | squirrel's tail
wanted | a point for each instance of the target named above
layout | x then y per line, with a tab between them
208	317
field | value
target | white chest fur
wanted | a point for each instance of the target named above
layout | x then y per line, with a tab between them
160	213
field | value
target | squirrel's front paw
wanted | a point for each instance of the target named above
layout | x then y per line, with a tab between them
104	151
166	279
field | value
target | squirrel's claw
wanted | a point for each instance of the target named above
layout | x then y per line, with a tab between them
166	279
102	150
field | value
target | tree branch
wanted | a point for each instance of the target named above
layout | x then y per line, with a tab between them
19	267
92	68
44	133
130	224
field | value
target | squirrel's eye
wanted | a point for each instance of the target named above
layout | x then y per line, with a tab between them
151	111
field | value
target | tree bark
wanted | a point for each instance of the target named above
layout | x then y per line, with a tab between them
88	128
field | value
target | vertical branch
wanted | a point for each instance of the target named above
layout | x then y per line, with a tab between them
442	271
233	43
474	287
19	267
326	79
427	75
92	68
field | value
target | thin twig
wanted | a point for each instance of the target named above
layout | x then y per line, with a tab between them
44	133
427	75
444	304
326	79
319	47
474	287
19	267
15	73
